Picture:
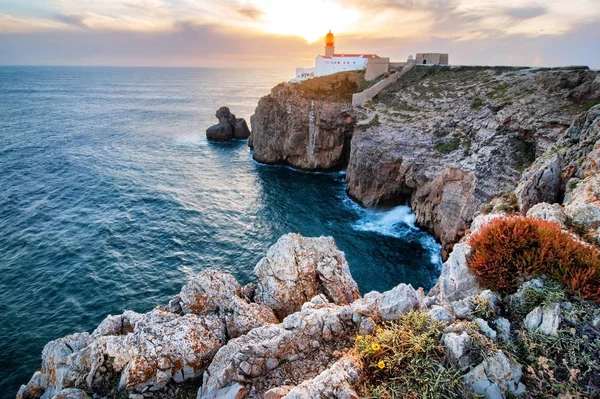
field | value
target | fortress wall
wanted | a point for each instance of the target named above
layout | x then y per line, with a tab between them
376	67
359	99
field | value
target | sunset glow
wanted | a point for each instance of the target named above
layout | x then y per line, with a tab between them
201	32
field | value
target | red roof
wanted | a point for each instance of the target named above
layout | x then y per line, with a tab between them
357	55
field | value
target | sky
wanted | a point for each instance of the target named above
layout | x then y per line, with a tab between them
286	34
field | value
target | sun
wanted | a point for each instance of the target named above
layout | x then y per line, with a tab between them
309	19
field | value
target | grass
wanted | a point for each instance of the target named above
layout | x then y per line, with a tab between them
338	87
404	359
524	152
447	146
477	103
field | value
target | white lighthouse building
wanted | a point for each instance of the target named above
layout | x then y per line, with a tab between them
331	62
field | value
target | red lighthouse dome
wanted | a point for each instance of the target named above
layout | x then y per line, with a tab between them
329	39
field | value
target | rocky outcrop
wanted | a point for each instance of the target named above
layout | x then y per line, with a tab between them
540	183
297	269
162	347
291	129
228	128
216	293
447	150
298	349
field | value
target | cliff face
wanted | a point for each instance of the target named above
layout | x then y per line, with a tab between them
449	140
290	129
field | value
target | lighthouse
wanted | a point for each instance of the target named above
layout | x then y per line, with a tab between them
329	45
331	62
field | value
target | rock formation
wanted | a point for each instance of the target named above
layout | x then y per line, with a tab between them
447	141
447	150
293	334
291	129
297	268
228	128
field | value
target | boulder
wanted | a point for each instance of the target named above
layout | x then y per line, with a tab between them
458	347
456	281
218	293
398	301
228	128
162	347
550	212
298	349
220	132
71	393
541	182
241	130
337	381
297	269
495	377
544	319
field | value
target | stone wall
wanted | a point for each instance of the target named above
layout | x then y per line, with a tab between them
376	67
359	99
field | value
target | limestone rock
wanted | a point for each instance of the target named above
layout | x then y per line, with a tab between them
117	325
241	130
495	376
297	268
228	128
541	182
550	212
336	382
503	328
546	320
162	347
71	393
458	347
289	128
296	350
485	328
442	314
215	292
220	132
457	281
398	301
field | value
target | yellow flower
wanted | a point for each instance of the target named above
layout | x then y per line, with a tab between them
381	364
379	330
375	346
359	337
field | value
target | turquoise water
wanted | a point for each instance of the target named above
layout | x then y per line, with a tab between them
111	197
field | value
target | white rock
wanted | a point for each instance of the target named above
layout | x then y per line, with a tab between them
297	268
550	212
442	314
457	281
486	329
458	347
398	301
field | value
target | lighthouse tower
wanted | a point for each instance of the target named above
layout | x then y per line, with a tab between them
329	45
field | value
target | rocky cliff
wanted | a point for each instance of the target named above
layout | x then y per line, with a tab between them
444	140
305	127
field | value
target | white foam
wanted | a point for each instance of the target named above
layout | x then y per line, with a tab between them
398	222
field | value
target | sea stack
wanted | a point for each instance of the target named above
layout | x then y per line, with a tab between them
228	128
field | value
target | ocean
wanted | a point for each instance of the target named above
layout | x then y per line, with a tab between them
111	198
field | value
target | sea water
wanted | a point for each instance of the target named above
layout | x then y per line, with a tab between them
111	198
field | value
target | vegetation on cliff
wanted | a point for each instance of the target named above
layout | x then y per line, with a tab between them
509	250
338	87
405	359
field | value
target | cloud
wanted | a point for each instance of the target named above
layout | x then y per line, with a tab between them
525	12
250	12
74	20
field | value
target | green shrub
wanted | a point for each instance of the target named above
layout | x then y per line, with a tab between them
446	147
404	359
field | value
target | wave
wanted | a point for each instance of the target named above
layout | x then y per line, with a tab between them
398	222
